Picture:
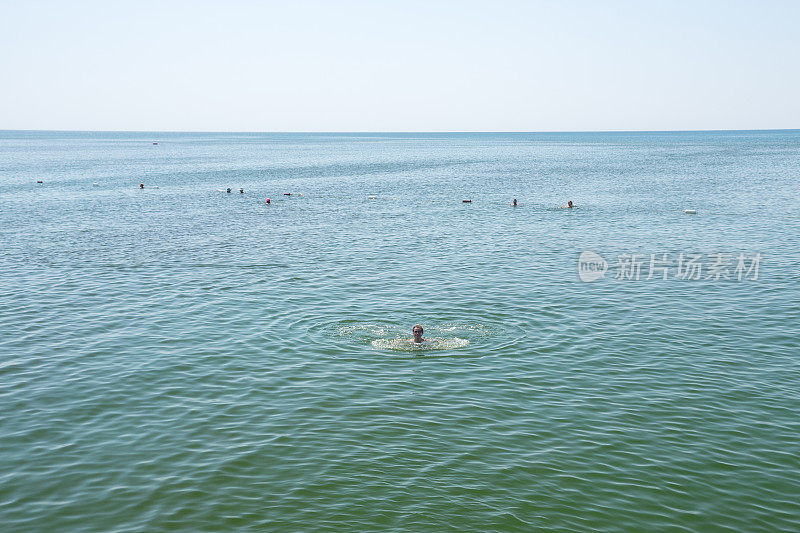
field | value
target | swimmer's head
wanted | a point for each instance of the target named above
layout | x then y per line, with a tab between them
569	203
417	331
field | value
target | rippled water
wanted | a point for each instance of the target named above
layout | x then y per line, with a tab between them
179	358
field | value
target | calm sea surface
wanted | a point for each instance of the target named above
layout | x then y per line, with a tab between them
181	358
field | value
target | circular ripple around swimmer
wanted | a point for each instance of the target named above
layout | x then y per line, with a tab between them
489	336
395	339
347	334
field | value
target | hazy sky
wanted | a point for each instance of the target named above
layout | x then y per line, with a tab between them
399	66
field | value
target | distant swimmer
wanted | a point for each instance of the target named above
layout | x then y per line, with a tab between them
268	200
514	203
241	190
569	205
229	190
141	185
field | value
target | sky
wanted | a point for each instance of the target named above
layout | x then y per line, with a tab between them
399	66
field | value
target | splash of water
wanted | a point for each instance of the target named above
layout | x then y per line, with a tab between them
395	338
405	345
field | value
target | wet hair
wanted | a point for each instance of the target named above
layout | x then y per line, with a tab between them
421	329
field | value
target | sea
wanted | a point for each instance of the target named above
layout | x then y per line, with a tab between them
182	358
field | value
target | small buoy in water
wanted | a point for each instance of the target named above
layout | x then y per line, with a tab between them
95	184
467	201
267	200
371	197
690	211
155	144
287	194
39	181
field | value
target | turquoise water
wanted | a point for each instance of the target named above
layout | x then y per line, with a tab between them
180	358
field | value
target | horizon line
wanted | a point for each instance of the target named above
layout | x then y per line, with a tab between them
405	131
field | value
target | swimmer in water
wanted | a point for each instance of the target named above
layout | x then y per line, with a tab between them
417	331
141	185
241	190
569	205
514	203
229	190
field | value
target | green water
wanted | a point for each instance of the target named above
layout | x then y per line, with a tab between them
181	358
